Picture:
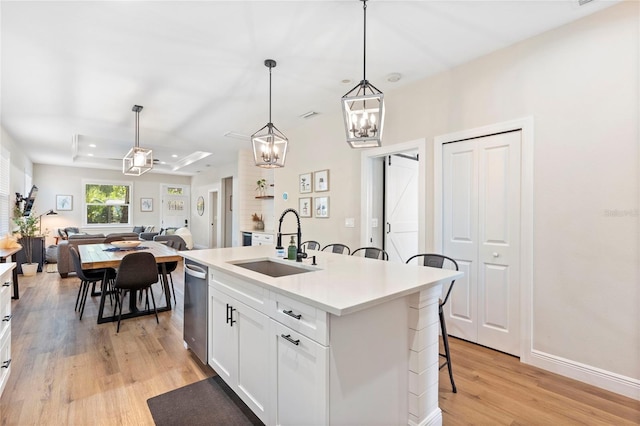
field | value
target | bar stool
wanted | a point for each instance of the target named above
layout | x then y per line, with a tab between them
438	261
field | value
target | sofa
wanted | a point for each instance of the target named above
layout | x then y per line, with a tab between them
65	263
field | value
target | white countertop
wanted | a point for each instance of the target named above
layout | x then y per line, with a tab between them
341	285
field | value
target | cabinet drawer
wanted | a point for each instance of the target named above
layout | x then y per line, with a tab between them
5	359
5	304
258	239
305	319
247	293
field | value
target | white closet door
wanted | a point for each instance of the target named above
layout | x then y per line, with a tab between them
481	214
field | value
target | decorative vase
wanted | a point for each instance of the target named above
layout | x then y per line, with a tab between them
29	269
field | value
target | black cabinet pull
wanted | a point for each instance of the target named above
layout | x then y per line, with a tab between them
6	284
288	337
228	316
6	364
291	314
7	318
231	316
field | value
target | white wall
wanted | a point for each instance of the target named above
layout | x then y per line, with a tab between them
55	180
580	83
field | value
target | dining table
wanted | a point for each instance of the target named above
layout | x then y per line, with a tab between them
104	256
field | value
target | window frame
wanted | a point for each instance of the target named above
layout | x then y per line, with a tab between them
85	204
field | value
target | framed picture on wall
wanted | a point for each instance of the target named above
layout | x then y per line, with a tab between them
305	183
64	202
321	181
146	204
304	206
322	207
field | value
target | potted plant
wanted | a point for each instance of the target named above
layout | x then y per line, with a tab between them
261	187
258	222
27	227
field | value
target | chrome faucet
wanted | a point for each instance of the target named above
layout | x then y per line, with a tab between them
299	253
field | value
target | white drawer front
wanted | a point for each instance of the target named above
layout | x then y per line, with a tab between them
258	239
247	293
5	306
5	359
305	319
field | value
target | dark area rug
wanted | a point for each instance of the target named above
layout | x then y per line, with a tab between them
207	402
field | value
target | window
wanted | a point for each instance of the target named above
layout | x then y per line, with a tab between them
107	203
4	190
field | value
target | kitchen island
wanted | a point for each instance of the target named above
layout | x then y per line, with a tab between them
347	341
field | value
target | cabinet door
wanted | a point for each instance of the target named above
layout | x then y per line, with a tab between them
299	385
222	340
252	333
238	349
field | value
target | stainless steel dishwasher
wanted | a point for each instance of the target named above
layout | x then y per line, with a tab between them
195	308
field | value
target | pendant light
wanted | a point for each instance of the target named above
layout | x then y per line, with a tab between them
138	160
363	107
269	144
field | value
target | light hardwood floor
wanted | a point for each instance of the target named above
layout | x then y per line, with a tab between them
71	372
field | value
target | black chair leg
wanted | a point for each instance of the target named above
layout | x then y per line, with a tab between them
83	300
79	293
122	292
173	290
153	300
447	353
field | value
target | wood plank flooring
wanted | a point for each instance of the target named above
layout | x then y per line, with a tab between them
71	372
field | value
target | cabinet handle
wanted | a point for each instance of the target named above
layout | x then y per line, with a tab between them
6	284
228	313
291	314
6	364
231	320
7	318
288	337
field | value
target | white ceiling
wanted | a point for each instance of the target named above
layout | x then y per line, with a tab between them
72	71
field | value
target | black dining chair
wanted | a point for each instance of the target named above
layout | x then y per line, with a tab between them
371	252
441	261
310	245
176	242
337	248
137	272
88	277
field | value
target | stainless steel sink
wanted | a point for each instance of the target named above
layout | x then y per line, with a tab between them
273	268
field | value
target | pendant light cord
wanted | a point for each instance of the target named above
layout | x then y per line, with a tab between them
137	129
270	93
364	50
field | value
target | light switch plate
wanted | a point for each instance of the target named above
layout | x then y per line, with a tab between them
350	222
374	222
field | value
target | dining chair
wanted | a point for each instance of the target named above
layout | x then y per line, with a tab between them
441	261
178	243
371	252
88	277
337	248
310	245
137	272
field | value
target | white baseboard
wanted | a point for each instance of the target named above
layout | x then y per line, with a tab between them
433	419
612	382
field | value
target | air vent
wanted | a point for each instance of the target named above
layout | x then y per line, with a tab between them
583	2
308	114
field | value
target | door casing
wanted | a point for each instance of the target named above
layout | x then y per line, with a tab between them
525	125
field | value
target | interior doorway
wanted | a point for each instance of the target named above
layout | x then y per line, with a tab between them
227	212
383	188
213	219
175	206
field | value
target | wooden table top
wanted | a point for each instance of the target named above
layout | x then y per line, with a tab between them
6	252
94	256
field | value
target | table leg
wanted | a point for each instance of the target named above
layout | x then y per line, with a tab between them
103	295
165	283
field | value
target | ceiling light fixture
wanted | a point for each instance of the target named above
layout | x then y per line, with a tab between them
138	160
269	144
363	107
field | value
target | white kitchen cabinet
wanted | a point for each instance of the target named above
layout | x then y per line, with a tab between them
5	322
237	348
261	239
299	378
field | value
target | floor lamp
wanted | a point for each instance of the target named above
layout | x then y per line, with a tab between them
49	213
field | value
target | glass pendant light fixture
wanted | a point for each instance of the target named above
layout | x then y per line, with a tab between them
138	160
363	107
269	144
